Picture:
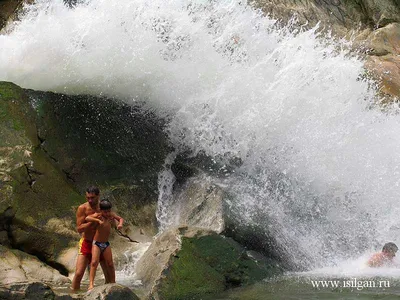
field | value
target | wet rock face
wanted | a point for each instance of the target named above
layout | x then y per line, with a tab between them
106	142
7	9
198	203
100	140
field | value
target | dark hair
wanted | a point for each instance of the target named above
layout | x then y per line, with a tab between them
105	204
93	190
390	247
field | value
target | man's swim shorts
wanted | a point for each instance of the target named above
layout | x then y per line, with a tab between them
85	248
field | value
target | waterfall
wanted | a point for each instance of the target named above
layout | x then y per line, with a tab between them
320	163
166	180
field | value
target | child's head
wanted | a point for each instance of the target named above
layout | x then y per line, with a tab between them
105	207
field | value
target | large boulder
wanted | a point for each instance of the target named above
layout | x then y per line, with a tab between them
17	266
187	262
386	40
197	203
384	61
32	189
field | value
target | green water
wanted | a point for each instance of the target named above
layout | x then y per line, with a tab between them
292	287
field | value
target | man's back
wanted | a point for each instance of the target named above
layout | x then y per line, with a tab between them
378	260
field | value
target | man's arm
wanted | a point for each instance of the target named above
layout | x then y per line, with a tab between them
81	222
81	225
119	219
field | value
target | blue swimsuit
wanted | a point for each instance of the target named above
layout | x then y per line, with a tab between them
102	245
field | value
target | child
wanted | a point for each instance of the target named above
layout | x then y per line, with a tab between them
101	246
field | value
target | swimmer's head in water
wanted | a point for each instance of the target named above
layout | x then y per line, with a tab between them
390	249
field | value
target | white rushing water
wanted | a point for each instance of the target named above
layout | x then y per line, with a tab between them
320	165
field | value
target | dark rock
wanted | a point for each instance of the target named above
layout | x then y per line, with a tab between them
38	291
31	291
186	165
8	10
101	140
4	238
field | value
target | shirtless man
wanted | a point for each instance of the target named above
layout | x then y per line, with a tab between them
87	231
384	258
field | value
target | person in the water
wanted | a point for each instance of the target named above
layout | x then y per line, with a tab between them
101	246
384	258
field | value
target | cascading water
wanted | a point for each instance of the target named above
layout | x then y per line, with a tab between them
320	164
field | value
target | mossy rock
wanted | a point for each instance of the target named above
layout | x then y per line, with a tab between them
32	189
209	265
17	118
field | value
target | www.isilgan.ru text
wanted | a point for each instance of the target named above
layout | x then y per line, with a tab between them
352	283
